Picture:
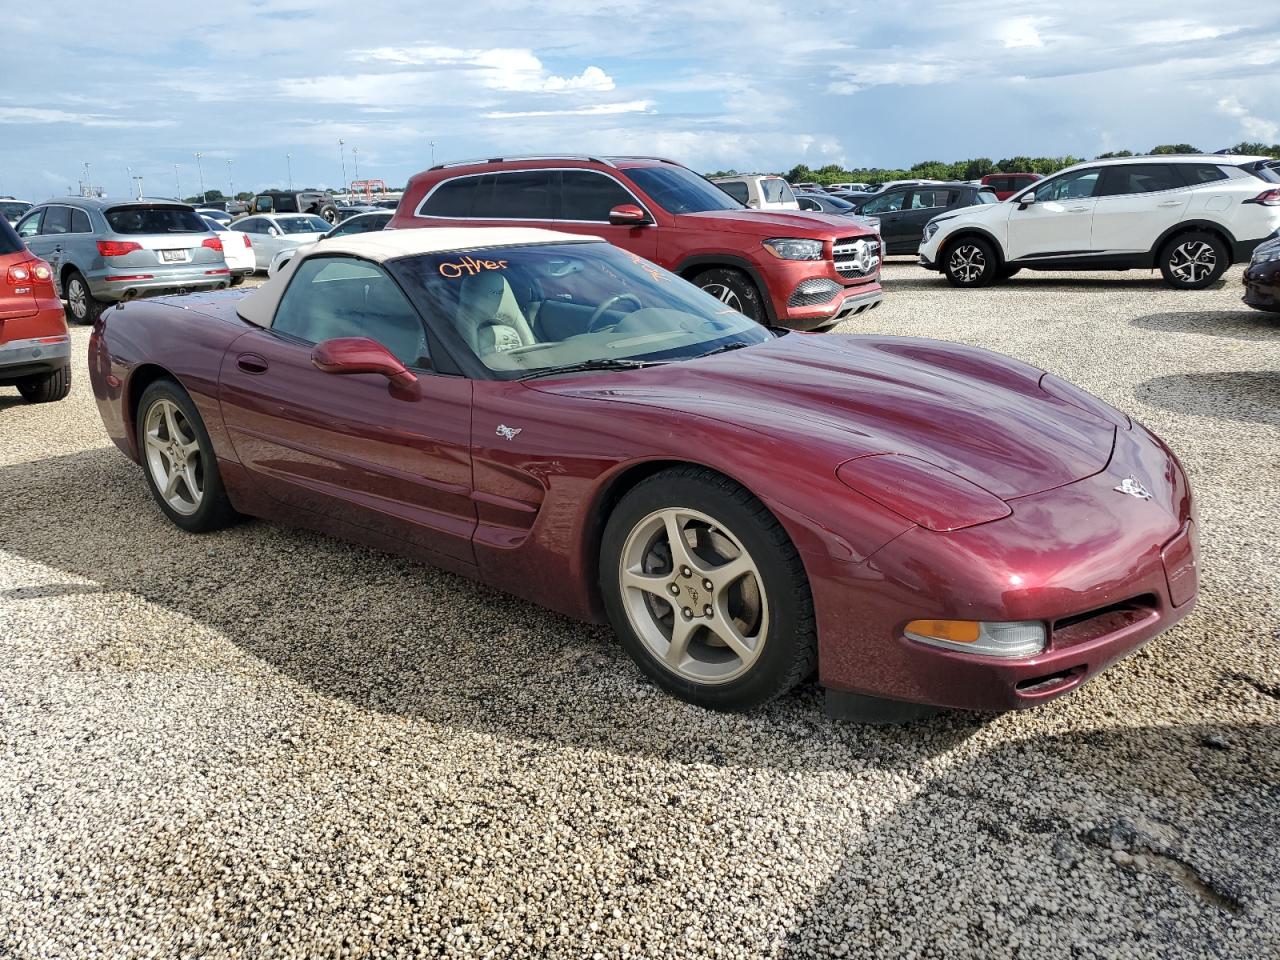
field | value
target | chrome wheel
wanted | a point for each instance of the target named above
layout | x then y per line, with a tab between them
1192	261
725	295
967	263
173	457
693	595
77	298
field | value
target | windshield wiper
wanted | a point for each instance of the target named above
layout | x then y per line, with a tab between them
736	345
599	363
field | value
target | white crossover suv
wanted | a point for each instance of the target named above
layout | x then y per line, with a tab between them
1190	216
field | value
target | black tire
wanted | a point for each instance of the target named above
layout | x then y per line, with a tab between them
82	306
970	262
47	387
214	510
329	212
735	289
1194	260
237	280
789	650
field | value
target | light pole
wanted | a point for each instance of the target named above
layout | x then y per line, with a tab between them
288	159
342	152
355	160
88	184
200	170
137	185
433	152
231	183
177	183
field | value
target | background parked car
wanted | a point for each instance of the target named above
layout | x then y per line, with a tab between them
759	192
103	250
348	210
237	250
271	233
1262	277
848	188
1006	185
213	213
35	348
904	211
297	201
361	223
11	210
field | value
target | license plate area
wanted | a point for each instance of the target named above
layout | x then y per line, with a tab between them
174	256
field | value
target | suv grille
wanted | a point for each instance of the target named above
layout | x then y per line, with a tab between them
856	256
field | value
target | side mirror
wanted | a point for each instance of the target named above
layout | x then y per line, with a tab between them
347	355
628	215
1026	200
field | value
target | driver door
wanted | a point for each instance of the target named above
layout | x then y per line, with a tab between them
344	446
1060	222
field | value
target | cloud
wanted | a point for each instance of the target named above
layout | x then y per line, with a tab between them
40	115
1019	33
594	110
1255	128
512	70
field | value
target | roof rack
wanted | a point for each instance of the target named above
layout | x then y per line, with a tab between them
553	156
674	163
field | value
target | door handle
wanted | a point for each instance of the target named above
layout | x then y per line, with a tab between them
251	363
1076	209
1171	203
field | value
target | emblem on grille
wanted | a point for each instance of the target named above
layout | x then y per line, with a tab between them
1134	488
508	433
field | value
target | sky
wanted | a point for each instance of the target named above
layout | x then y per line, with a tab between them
262	86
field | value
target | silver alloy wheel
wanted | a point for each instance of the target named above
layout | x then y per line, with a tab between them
173	457
725	295
1192	261
77	298
693	595
967	263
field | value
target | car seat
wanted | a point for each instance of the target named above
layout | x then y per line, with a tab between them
488	316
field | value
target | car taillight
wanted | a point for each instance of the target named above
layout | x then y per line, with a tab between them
32	271
213	243
117	248
1268	198
247	244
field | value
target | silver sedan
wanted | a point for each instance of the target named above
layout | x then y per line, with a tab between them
269	233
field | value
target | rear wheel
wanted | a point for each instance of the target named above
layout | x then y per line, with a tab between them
82	306
734	289
970	262
179	461
237	280
1192	261
47	387
706	591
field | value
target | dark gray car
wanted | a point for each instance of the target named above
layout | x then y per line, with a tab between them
104	250
904	210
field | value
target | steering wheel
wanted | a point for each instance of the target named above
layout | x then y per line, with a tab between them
603	308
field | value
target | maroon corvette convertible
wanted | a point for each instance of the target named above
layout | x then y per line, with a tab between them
921	523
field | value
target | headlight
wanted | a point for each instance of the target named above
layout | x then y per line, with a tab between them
1266	253
1023	638
785	249
931	228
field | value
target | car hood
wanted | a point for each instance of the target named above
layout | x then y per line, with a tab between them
977	414
977	213
766	224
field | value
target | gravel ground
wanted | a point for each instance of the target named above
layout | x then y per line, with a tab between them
264	743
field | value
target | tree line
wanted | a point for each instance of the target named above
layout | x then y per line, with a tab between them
981	166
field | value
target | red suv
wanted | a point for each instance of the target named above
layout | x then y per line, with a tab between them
35	350
1006	185
802	270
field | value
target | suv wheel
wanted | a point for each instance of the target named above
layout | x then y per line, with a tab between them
82	306
329	212
47	387
970	262
734	289
1192	261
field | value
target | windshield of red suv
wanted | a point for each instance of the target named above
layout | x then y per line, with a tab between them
678	190
534	310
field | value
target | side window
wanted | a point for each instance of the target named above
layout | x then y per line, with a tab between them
80	222
332	297
807	203
57	220
886	204
522	195
29	226
1132	178
585	195
1197	173
1071	186
929	199
736	189
452	199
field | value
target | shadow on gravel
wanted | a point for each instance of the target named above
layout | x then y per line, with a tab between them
1124	842
1043	281
1249	395
1241	324
391	635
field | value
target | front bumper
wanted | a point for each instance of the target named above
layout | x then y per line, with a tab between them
20	359
128	282
1262	286
1105	571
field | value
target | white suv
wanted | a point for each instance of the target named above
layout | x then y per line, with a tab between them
1191	216
759	192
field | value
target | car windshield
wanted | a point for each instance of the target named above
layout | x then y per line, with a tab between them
214	225
836	204
678	190
987	196
533	310
302	224
135	219
11	210
776	190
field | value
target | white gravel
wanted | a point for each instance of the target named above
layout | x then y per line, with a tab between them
264	743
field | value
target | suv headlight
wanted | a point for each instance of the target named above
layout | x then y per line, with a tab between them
785	249
1267	253
930	229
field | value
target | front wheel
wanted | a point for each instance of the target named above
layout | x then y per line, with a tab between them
970	262
734	289
706	591
179	461
1193	260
